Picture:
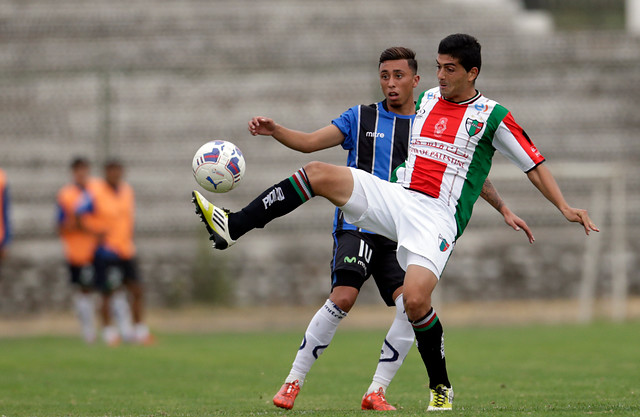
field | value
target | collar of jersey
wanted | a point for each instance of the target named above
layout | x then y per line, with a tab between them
465	102
385	108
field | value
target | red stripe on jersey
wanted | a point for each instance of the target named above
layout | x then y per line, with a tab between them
443	121
427	176
522	139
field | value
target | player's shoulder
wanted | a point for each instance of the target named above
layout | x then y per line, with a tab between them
67	191
93	184
97	185
359	108
355	113
126	189
484	104
430	94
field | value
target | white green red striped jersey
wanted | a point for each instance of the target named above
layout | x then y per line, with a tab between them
452	145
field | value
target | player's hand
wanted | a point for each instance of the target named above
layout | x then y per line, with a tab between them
580	216
262	126
517	223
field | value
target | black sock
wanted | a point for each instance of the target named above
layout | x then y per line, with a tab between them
430	340
275	201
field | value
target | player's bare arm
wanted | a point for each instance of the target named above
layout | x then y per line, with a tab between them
323	138
491	196
544	181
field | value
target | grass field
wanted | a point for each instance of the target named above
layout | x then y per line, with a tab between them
516	371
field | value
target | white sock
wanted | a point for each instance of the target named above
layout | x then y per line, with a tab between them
86	313
317	337
110	335
122	314
141	332
394	349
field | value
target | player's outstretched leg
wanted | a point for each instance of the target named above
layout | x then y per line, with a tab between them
225	227
330	181
396	345
317	337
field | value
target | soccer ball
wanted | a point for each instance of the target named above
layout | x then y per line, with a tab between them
218	166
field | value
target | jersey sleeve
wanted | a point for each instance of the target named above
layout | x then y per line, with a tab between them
346	122
514	143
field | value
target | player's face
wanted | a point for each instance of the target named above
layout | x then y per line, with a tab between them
81	175
397	81
456	84
113	175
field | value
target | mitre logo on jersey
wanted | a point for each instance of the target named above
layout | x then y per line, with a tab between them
444	245
374	135
440	127
473	126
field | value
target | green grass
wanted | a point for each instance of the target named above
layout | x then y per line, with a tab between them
515	371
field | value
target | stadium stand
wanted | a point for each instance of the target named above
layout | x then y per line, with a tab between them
151	80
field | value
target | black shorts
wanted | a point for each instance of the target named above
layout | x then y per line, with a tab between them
367	254
111	273
82	275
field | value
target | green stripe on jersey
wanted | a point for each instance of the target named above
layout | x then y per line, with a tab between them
479	168
419	100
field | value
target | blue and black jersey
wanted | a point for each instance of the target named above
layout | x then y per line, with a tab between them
377	141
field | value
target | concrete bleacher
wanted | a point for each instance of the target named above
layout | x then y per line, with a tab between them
151	80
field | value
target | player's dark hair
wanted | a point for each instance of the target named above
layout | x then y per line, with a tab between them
465	48
400	52
113	163
78	162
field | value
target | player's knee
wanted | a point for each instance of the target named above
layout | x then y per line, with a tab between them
316	174
344	298
416	306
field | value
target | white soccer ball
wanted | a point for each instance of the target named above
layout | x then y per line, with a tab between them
218	166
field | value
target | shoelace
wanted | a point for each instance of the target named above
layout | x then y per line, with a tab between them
291	386
380	394
440	397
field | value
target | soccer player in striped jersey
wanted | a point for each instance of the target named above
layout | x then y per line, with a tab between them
376	137
454	136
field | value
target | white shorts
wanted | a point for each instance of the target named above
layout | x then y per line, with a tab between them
423	227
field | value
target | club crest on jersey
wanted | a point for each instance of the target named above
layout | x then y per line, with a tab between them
440	127
473	126
444	245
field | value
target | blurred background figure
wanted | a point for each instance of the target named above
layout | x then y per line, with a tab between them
5	231
79	242
115	263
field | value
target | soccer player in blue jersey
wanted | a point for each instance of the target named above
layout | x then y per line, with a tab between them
376	137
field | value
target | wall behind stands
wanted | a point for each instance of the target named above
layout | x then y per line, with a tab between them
149	81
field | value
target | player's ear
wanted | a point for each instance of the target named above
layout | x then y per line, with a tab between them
473	74
416	80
